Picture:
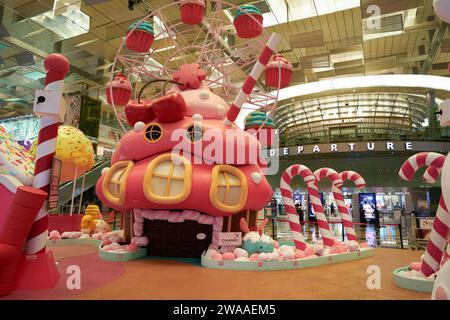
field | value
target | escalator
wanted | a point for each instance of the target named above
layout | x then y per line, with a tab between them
91	177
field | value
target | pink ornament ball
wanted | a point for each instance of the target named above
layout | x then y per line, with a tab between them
299	255
309	251
54	235
415	265
335	249
216	256
442	9
239	252
132	247
254	257
228	256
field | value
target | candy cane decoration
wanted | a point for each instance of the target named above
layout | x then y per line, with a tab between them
438	237
51	107
357	179
313	190
250	81
336	188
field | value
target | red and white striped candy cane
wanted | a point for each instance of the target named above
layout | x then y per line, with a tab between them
313	191
353	176
441	226
336	188
250	81
57	66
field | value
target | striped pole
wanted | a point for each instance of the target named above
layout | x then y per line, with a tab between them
441	226
336	188
313	191
250	81
51	108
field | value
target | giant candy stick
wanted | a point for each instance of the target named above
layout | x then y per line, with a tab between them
252	78
336	188
439	233
313	191
50	106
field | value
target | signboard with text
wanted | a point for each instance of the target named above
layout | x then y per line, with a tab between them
366	146
230	238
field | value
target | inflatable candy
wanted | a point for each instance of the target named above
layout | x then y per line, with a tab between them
336	189
313	191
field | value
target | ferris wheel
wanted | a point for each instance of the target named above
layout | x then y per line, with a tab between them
225	40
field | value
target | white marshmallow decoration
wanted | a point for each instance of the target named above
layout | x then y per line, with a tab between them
442	9
441	288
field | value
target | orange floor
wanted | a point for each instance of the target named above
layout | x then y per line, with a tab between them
160	279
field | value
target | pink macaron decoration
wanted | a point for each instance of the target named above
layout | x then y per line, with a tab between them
192	11
118	90
278	72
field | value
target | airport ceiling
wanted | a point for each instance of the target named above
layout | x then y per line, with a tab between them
322	38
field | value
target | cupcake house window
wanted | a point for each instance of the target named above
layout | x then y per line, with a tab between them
114	183
194	133
228	188
168	179
153	132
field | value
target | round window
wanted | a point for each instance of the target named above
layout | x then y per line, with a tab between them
194	133
153	133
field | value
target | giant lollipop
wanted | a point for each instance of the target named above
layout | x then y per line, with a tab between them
74	150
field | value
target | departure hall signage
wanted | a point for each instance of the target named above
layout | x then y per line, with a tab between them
362	146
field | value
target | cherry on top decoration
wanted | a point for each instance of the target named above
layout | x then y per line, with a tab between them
248	22
192	11
118	90
140	36
278	72
263	125
442	9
